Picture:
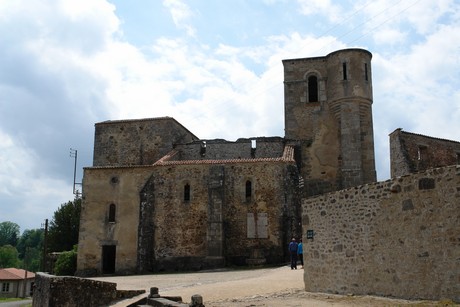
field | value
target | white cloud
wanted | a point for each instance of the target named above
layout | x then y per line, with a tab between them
65	66
181	15
321	7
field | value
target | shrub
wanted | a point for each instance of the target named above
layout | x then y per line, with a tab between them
66	263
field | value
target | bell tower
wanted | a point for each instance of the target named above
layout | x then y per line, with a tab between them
328	116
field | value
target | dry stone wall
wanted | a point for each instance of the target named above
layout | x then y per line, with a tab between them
68	291
396	238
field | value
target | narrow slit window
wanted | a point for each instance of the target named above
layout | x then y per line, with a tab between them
312	89
253	148
187	192
203	149
248	190
366	76
344	70
458	158
112	211
422	153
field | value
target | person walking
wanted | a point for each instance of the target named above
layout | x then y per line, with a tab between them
293	246
300	252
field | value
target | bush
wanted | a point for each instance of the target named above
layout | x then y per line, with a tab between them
66	263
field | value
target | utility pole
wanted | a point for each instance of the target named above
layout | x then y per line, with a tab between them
45	247
24	285
74	154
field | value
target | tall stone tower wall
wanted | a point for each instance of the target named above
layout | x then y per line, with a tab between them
328	115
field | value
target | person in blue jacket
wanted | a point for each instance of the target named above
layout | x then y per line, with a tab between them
300	252
293	246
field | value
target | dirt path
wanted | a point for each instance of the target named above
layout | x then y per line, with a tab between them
261	287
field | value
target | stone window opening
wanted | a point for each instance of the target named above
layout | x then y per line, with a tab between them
203	149
422	157
458	157
344	70
422	153
248	192
253	148
366	74
187	192
313	89
112	211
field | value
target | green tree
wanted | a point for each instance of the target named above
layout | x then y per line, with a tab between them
66	263
8	257
64	227
30	238
9	233
30	249
32	259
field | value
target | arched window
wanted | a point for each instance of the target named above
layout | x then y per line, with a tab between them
112	211
248	190
187	192
312	89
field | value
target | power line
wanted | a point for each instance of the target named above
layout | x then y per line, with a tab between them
261	89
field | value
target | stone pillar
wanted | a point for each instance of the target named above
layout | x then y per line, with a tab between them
215	201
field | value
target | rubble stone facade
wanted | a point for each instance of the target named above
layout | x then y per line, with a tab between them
159	198
410	152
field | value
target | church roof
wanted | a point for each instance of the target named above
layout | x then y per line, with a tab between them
288	156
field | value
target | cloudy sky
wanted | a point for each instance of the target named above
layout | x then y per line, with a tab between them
215	66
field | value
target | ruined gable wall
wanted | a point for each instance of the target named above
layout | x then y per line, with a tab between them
394	238
137	142
410	152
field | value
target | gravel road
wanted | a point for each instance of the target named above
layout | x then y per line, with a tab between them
279	286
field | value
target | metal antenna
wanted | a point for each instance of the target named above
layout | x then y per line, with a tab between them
74	154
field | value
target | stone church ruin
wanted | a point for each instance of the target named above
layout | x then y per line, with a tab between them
159	198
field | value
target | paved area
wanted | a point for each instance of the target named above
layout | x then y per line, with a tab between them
243	288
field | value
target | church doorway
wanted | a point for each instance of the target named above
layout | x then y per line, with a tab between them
108	259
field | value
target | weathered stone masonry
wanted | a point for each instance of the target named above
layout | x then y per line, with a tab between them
159	198
411	152
396	238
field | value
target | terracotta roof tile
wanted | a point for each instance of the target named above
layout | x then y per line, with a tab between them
288	156
14	274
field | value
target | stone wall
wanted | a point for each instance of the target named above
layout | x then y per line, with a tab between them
213	222
218	149
137	142
67	291
103	187
396	238
156	227
334	132
411	152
